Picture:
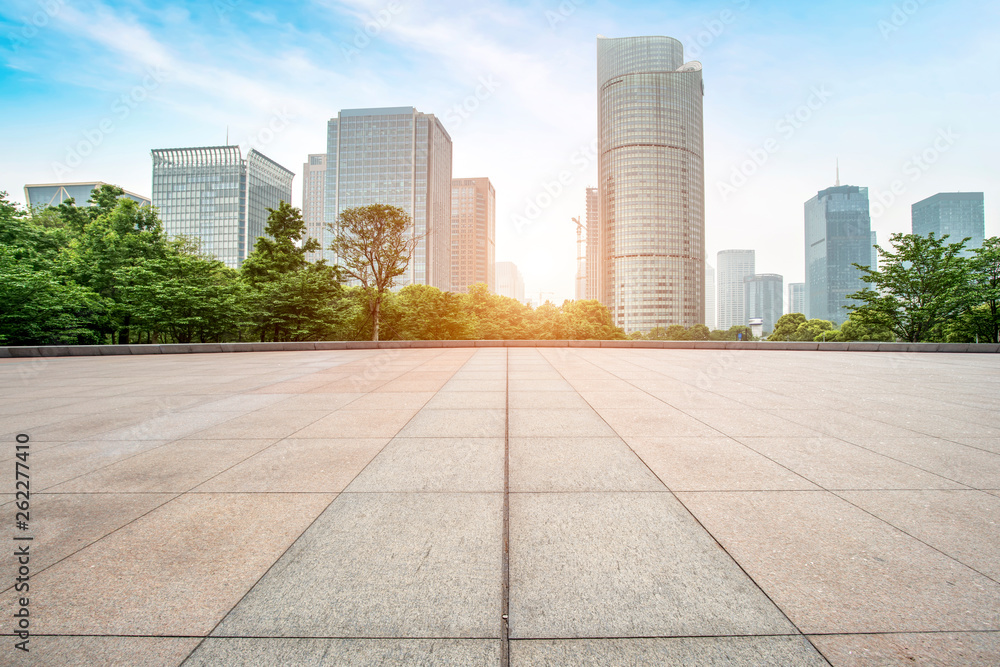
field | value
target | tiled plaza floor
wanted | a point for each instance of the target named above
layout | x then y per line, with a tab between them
619	507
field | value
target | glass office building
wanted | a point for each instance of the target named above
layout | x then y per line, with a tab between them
400	157
313	198
43	195
734	267
838	235
796	298
652	183
764	299
214	195
473	233
593	260
957	214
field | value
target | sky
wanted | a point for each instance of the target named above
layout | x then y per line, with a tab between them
904	94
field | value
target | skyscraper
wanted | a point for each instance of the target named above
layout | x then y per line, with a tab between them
796	298
837	235
400	157
52	194
652	183
764	298
217	196
313	191
957	214
733	267
710	314
510	282
874	265
473	233
593	222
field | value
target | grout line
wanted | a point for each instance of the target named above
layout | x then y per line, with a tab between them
505	562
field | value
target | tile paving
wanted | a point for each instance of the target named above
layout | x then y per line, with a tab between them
619	506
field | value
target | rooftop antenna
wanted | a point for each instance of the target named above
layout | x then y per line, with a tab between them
838	172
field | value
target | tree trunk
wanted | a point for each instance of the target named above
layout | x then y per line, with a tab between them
375	319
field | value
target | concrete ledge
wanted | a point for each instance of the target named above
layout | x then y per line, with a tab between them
113	349
193	348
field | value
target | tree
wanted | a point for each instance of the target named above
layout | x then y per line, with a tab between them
292	298
423	312
786	326
984	270
374	245
854	329
496	317
922	284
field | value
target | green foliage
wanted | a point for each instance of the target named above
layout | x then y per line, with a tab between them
795	327
679	332
374	245
855	329
786	326
921	285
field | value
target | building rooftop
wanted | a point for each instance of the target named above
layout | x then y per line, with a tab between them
565	505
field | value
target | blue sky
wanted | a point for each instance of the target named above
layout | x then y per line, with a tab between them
905	94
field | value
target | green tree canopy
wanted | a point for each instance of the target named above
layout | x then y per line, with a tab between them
922	283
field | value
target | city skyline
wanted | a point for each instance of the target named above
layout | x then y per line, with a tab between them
514	85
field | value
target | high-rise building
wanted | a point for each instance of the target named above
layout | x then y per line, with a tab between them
313	196
42	195
510	282
957	214
837	235
593	222
710	314
400	157
652	183
796	298
217	196
874	265
733	267
473	233
764	298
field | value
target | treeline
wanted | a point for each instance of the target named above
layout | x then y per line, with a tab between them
107	274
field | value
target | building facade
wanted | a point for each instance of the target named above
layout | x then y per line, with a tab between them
473	233
796	298
400	157
510	282
215	195
710	313
957	214
764	299
313	197
593	261
652	183
837	235
43	195
734	266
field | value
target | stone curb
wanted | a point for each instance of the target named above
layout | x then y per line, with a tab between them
197	348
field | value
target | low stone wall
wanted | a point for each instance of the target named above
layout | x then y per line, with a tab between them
95	350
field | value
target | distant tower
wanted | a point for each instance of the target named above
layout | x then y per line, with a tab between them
593	222
796	298
313	191
764	298
734	266
401	157
473	233
652	182
837	235
710	314
957	214
218	196
510	282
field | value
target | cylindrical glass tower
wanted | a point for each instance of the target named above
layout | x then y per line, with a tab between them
652	183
